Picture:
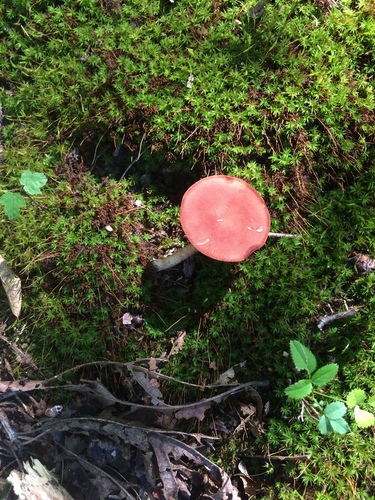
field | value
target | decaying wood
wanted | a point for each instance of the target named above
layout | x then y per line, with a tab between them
12	286
4	422
364	263
37	483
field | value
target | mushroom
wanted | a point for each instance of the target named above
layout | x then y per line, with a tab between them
223	218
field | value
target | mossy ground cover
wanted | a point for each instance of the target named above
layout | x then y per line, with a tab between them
284	101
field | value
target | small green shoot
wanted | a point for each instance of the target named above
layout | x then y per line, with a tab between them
12	204
332	419
357	398
304	359
31	182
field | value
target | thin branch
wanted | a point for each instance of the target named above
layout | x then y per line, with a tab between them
140	153
324	320
283	235
151	373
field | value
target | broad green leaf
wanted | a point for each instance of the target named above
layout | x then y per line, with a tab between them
303	358
340	425
32	181
299	390
12	286
363	418
325	374
324	425
12	203
371	401
327	425
355	397
335	410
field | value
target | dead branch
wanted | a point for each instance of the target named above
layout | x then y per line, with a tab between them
37	484
324	320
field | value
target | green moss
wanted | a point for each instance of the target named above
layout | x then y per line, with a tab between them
286	102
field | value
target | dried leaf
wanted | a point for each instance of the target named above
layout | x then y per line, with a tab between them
153	364
21	357
97	390
248	410
145	383
25	359
165	469
226	377
178	343
127	319
248	413
15	385
12	286
165	446
196	411
131	322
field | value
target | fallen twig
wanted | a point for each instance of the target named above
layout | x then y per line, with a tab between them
7	427
283	235
37	484
324	320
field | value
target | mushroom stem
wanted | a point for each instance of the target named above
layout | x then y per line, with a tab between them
174	259
189	250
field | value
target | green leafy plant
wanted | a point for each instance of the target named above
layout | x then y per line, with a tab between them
357	398
332	419
31	182
304	359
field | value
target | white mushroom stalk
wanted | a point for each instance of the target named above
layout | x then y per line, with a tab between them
175	258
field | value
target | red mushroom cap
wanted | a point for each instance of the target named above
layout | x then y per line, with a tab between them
224	218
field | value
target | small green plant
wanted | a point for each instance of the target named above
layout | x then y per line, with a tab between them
31	182
332	419
357	398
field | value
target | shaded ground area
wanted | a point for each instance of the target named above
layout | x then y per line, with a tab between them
121	442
